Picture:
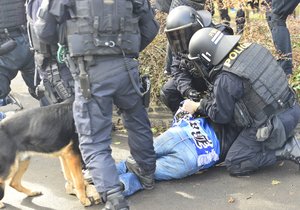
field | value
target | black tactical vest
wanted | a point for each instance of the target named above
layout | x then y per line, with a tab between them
266	92
103	27
12	14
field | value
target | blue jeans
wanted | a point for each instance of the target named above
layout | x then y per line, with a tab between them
176	158
2	115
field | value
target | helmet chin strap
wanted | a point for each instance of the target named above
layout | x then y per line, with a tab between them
204	71
215	70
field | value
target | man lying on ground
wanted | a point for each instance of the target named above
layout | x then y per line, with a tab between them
190	145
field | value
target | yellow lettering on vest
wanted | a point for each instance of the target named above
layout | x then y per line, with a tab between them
227	63
233	55
239	49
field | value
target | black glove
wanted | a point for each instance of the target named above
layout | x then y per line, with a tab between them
33	93
193	95
201	108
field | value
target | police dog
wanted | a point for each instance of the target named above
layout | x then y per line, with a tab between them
43	130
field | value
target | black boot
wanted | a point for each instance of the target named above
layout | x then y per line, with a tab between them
290	151
114	200
147	180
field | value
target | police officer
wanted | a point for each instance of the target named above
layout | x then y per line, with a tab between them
57	83
167	6
267	4
280	33
15	52
223	10
250	92
104	39
240	20
185	82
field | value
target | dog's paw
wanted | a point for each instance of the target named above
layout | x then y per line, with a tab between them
34	193
70	190
92	193
2	205
86	202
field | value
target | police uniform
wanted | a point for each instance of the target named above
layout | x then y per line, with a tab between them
223	10
15	52
240	21
280	33
184	78
197	5
57	83
254	97
105	53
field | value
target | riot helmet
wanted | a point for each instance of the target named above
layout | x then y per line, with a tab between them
209	46
182	22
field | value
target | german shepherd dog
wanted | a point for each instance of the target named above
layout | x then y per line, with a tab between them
43	130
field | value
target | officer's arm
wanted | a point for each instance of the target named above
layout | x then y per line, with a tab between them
50	14
149	27
182	78
45	24
228	88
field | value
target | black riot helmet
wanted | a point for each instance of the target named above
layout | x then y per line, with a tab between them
182	22
209	47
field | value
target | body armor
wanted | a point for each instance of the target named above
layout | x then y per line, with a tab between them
99	27
12	15
266	91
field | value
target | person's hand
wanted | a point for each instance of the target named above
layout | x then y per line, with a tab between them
193	95
190	106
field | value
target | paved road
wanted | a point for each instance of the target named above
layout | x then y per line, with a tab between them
273	188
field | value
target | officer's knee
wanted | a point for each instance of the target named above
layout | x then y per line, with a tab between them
240	169
163	97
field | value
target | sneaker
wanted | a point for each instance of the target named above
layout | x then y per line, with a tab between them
10	99
147	180
87	176
290	151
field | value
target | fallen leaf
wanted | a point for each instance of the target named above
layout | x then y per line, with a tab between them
231	200
275	182
117	143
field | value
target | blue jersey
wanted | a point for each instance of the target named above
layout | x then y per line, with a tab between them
202	135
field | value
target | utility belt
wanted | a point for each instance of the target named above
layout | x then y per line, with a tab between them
79	72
